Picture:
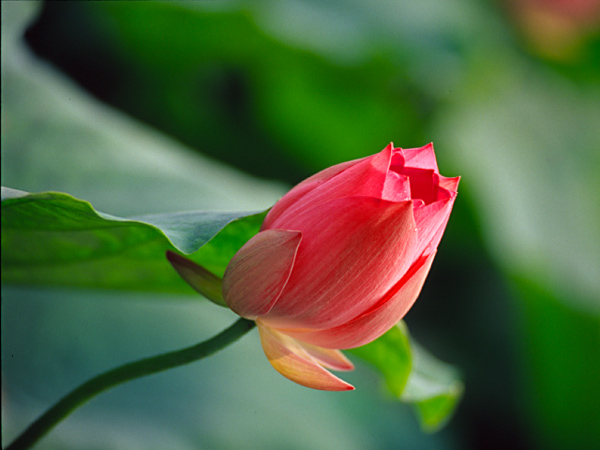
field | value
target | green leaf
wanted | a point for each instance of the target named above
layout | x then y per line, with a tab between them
433	386
415	376
390	354
526	139
56	137
55	239
562	368
348	122
507	129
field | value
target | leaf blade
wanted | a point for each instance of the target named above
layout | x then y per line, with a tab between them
414	376
433	387
55	239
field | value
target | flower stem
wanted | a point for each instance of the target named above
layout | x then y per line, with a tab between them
127	372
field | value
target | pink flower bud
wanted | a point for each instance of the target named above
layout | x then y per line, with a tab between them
340	259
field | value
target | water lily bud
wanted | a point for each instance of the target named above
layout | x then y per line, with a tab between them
340	259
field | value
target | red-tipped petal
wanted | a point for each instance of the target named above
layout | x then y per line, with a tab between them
378	320
258	272
293	362
198	277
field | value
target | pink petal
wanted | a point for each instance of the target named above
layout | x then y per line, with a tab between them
431	219
293	362
450	184
397	158
421	158
258	272
366	178
301	189
353	251
431	222
198	277
378	320
396	188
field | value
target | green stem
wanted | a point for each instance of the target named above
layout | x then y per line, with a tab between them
127	372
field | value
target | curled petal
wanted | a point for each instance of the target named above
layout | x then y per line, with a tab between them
198	277
291	360
258	272
378	320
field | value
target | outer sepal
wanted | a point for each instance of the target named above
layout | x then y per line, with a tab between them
198	277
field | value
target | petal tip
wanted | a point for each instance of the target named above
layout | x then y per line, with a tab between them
202	280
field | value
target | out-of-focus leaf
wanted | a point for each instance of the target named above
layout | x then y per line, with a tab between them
53	339
56	137
415	376
391	355
527	144
562	368
433	386
56	239
526	140
244	88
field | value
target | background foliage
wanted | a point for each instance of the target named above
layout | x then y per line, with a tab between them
145	108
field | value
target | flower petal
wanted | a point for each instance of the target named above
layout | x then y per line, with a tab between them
258	272
421	158
431	222
423	184
396	188
450	184
301	189
354	251
365	178
289	358
327	357
378	320
198	277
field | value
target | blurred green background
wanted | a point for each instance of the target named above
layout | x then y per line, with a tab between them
164	106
